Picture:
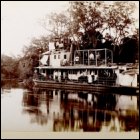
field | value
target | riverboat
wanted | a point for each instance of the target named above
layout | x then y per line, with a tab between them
89	69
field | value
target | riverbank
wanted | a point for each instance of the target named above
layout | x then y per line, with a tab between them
9	82
25	83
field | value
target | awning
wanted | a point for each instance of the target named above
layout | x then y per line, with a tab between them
44	60
48	52
131	71
76	67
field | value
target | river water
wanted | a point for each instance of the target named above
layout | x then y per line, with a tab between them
52	110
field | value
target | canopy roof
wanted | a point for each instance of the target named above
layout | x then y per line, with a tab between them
77	67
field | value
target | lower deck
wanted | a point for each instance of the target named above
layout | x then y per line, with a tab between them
97	79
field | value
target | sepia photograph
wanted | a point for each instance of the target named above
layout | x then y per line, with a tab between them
70	69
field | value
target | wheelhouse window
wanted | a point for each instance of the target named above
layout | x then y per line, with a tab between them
74	72
121	70
65	56
58	56
43	70
54	56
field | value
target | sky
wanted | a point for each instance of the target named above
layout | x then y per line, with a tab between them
20	22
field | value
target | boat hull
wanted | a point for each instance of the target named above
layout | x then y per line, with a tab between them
95	88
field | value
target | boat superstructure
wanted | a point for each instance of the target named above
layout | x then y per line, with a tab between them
93	67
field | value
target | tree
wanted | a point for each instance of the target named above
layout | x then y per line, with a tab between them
9	67
119	20
129	49
94	18
31	56
86	18
99	16
57	22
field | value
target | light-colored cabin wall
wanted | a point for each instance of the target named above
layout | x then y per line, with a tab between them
53	61
59	58
118	76
128	80
134	83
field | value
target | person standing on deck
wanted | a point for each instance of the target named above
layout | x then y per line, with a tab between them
98	58
91	58
78	74
95	78
59	76
89	78
55	75
76	58
92	75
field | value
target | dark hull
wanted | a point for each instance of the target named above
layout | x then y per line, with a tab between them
95	88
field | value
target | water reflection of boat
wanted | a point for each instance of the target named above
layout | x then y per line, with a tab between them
85	69
80	111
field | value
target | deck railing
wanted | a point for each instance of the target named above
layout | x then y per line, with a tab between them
93	57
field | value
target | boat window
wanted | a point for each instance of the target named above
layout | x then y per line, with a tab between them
43	70
65	56
54	56
74	72
58	56
120	71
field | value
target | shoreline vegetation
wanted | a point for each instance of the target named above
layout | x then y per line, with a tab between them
15	82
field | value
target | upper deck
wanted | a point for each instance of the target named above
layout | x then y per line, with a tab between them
95	57
80	58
